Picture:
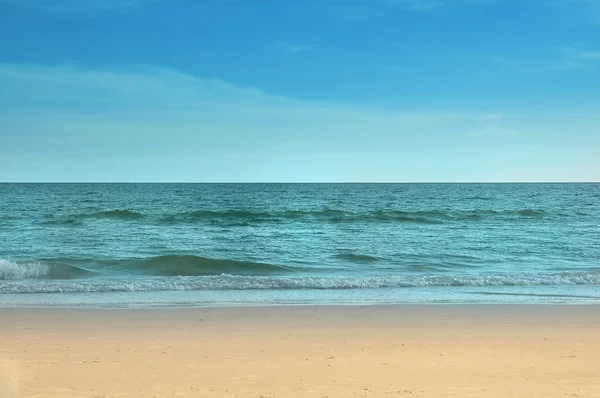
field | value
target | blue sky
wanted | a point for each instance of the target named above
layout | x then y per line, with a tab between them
330	90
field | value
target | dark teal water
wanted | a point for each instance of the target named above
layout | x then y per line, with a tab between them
212	244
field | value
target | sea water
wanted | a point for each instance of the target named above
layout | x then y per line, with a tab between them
128	245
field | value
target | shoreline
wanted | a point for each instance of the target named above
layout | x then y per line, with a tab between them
501	307
436	295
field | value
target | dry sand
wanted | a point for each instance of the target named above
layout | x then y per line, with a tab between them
412	351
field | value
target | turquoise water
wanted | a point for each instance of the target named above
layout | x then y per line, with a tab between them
259	244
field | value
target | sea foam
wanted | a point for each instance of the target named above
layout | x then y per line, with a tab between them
239	282
12	270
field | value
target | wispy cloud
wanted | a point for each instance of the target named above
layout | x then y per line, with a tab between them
292	48
189	123
544	59
572	58
589	55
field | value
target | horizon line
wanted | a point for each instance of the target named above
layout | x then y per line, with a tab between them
299	182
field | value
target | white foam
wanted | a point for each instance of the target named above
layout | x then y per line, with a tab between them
230	282
12	270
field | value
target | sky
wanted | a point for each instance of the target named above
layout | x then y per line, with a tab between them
299	90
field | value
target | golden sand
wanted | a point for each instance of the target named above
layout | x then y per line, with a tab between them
387	351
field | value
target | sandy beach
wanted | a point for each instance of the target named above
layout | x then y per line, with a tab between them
379	351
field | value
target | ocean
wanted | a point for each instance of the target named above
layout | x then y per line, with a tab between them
179	245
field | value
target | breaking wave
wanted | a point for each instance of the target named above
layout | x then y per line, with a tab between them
172	265
39	270
240	282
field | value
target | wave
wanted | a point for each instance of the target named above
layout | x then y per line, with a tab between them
240	217
420	217
531	213
249	215
118	214
171	265
357	258
64	222
188	265
239	282
39	270
338	215
78	219
191	265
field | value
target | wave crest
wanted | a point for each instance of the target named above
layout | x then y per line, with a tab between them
247	217
117	213
357	258
188	265
170	265
338	215
39	270
78	219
